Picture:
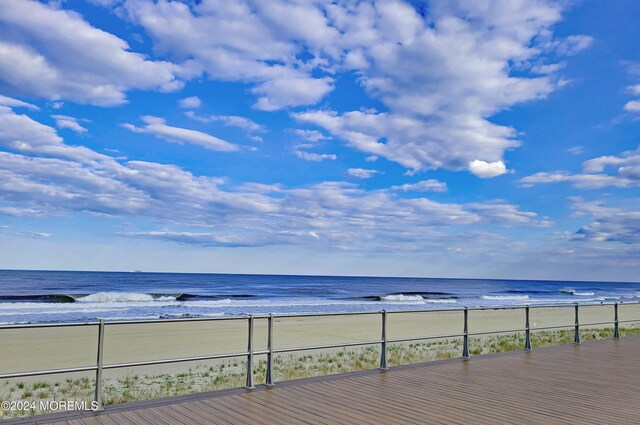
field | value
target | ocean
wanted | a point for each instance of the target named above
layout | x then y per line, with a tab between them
61	296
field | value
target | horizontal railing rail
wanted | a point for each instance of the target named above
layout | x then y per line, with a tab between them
271	350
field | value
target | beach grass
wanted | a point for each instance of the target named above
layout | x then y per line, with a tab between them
231	373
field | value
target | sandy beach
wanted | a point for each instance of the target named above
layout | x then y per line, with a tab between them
62	347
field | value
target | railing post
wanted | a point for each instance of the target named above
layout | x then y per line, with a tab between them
97	398
616	325
465	341
576	337
269	380
383	347
527	329
249	384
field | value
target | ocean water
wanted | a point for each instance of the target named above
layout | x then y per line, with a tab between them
52	296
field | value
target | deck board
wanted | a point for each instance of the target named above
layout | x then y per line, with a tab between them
596	382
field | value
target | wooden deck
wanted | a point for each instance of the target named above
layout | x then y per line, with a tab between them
597	382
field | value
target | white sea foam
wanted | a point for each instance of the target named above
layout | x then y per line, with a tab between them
505	297
149	317
272	303
440	301
59	311
402	298
579	294
105	297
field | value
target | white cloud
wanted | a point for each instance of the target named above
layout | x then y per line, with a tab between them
192	102
41	235
330	214
55	54
282	92
501	212
22	134
632	106
243	123
626	173
423	186
314	157
442	77
574	44
312	139
158	127
362	173
576	150
244	41
485	169
21	212
609	225
310	135
15	103
71	123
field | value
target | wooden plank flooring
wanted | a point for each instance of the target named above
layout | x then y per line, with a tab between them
594	383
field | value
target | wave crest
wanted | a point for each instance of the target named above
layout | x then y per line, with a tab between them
122	297
402	298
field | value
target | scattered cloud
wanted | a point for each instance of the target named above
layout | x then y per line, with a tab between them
486	170
314	157
15	103
576	150
625	173
56	55
158	127
328	214
192	102
422	186
71	123
312	139
243	123
39	235
20	133
252	42
310	135
21	212
633	106
573	44
610	224
285	92
362	173
462	63
500	212
459	65
454	60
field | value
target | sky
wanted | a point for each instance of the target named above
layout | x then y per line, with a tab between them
445	138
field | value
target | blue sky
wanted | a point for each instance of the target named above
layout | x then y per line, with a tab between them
444	138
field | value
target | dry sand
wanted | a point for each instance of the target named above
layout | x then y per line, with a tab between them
64	347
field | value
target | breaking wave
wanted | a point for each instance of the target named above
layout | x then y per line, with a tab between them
576	293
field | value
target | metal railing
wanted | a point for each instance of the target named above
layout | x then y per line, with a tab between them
270	351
